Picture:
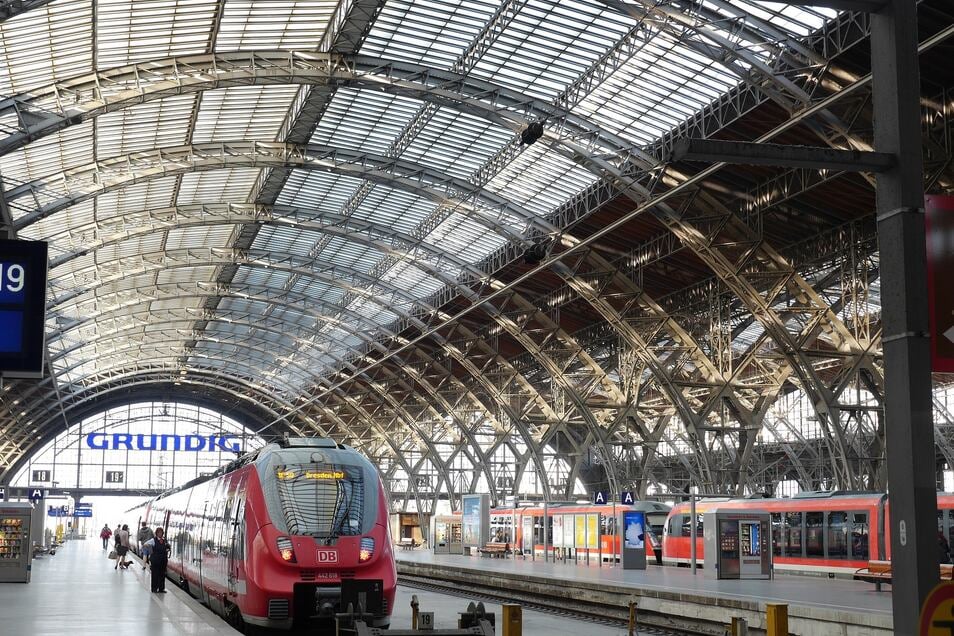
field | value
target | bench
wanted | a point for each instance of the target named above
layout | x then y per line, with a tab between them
498	550
879	572
408	544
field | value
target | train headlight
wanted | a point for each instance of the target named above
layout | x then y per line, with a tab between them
367	550
286	550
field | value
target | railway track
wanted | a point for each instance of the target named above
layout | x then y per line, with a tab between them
608	615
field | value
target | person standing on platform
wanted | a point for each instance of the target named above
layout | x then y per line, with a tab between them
158	560
145	534
122	548
105	534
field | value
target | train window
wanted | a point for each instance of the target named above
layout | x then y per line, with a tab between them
777	533
793	534
859	536
687	529
322	500
837	535
815	535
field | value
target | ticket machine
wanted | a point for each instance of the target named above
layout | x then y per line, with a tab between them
740	541
16	552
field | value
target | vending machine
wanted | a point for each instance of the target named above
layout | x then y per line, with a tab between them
739	539
15	549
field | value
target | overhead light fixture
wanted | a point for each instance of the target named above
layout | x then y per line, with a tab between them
531	133
535	253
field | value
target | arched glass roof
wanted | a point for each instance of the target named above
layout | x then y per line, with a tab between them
150	266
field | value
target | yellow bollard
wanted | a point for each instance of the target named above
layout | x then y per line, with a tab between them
739	627
414	609
633	627
776	619
512	615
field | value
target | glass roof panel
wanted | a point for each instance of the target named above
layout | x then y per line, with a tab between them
252	113
232	184
364	120
457	143
129	32
153	125
315	190
435	31
273	24
48	43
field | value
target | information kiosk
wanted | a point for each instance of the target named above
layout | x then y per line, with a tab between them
15	549
740	541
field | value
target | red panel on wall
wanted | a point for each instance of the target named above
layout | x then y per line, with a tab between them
940	255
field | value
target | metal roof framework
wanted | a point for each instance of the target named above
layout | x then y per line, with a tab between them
227	200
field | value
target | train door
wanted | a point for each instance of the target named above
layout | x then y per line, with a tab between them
198	553
237	539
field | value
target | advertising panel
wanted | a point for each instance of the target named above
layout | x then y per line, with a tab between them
592	531
634	524
580	531
471	519
557	531
567	531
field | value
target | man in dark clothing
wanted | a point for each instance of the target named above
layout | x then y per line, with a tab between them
943	548
158	560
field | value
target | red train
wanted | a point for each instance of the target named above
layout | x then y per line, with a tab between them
283	537
592	534
832	532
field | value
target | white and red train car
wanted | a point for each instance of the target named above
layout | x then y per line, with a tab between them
822	532
283	537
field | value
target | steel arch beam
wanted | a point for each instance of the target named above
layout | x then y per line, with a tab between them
117	172
12	8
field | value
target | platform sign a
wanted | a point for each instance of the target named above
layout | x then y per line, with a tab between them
939	224
600	498
626	498
937	613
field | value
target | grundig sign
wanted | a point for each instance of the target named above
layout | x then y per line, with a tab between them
128	441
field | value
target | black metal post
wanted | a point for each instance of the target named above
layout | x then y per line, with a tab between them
907	359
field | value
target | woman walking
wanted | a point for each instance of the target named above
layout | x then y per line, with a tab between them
122	548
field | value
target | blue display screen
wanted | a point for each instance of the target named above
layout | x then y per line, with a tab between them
11	331
13	282
23	271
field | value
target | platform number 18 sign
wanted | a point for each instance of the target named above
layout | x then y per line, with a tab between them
425	621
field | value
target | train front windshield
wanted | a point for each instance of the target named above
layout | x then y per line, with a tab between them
322	500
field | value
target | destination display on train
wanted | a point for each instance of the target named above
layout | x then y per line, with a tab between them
23	271
334	474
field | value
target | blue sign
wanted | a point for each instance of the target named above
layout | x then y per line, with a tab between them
83	512
634	529
58	511
23	270
600	498
626	498
36	494
129	441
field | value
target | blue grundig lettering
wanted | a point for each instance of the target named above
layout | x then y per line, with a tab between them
195	443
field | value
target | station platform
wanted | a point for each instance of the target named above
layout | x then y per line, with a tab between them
78	592
817	606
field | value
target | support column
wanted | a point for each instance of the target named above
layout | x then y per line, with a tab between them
908	409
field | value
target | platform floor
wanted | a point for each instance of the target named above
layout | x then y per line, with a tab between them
834	594
77	592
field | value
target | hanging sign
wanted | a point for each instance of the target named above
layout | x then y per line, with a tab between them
23	269
626	498
600	497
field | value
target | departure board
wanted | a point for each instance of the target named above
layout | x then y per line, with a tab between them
23	271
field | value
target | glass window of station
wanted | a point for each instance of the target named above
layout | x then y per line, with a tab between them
142	445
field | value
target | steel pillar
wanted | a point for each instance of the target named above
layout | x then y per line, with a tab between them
910	430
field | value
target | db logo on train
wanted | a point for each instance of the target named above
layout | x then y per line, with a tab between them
937	615
327	556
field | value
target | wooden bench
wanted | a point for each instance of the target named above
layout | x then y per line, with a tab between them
876	572
879	572
498	550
